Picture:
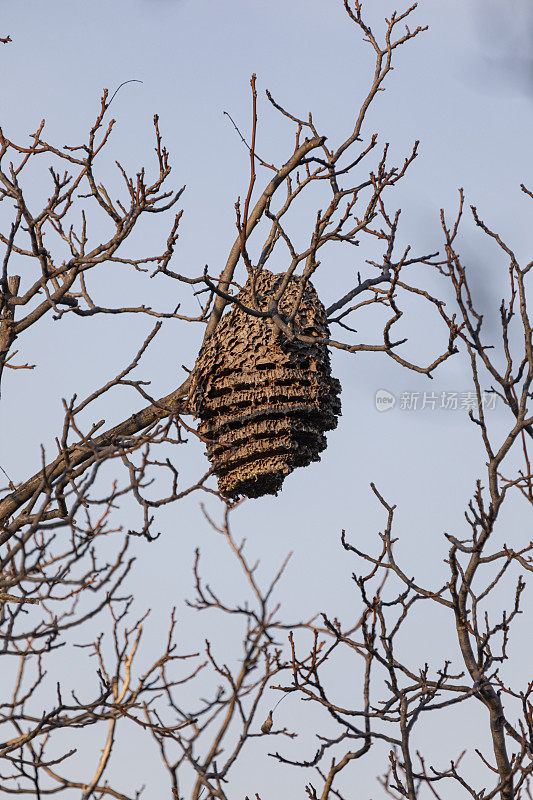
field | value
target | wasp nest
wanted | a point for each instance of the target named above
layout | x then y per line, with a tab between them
264	401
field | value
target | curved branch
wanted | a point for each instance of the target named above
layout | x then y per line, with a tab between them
172	403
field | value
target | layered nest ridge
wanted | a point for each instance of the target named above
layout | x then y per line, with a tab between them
264	401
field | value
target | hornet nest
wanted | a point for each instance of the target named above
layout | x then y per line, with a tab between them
264	400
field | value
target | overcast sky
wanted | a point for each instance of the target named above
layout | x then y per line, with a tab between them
464	89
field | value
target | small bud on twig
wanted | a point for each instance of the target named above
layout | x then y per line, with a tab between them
266	727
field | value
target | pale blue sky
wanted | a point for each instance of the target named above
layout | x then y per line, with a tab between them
463	89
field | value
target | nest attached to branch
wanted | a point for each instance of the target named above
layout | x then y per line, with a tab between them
264	401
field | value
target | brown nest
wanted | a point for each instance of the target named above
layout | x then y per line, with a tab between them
264	401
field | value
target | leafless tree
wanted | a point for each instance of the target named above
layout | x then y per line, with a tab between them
65	567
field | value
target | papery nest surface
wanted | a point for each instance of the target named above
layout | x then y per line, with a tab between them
264	400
